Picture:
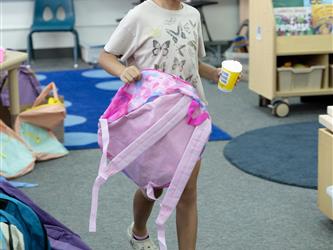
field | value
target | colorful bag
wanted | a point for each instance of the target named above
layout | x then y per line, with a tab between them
15	156
154	131
29	87
59	236
34	125
15	212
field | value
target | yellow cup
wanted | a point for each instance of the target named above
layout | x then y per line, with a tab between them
229	75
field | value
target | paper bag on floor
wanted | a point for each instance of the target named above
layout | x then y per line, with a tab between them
34	125
15	156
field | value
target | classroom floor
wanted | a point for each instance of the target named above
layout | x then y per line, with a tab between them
236	210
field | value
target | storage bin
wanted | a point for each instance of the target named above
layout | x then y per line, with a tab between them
243	58
90	53
300	79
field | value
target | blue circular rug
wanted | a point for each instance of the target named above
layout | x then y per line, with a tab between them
285	154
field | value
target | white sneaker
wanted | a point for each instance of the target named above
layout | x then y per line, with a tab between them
146	244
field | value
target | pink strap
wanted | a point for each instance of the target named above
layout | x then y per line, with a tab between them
99	180
150	192
196	121
131	152
184	170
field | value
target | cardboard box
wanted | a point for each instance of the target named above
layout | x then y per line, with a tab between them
325	171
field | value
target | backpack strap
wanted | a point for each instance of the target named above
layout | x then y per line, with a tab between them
2	236
135	149
183	172
9	218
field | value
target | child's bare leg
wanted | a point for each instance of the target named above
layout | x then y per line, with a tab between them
142	207
187	215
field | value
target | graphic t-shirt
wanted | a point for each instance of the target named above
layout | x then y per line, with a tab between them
171	41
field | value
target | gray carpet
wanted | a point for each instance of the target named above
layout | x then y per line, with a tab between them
259	152
236	210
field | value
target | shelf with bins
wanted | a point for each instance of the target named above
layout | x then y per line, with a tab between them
268	52
306	75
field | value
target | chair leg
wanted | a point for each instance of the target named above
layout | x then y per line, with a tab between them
76	50
30	48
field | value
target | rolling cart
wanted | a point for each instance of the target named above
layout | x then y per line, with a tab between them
273	83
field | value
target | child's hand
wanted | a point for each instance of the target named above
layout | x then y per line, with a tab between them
216	74
239	78
130	74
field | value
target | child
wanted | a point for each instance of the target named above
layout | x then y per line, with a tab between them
164	35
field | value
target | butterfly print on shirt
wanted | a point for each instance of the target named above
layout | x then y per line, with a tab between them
160	48
170	21
190	79
187	28
193	24
175	35
178	64
192	44
179	49
161	66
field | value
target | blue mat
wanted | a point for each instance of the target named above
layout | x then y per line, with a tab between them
285	154
87	94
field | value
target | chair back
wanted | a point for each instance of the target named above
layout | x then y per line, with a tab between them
55	8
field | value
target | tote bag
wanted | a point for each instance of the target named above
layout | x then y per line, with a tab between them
34	125
16	159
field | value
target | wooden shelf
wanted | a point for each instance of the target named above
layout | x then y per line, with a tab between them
304	45
309	92
269	51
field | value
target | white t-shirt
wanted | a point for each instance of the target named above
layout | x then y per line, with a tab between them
150	36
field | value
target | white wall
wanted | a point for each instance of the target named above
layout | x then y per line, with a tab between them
95	20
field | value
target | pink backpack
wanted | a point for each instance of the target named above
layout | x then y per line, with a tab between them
153	131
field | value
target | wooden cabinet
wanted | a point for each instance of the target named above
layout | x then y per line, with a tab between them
325	171
267	50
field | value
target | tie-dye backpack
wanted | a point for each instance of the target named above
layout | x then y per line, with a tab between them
153	131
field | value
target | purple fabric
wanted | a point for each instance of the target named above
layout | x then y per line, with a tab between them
29	88
58	234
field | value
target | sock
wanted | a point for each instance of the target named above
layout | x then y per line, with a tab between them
140	237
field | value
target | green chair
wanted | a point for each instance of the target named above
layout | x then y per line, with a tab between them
58	22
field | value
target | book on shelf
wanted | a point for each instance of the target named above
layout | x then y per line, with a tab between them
303	17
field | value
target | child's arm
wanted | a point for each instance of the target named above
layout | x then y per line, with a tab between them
209	72
111	64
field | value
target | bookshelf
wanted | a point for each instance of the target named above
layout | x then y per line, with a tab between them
268	50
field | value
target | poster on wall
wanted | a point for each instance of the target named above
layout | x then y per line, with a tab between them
322	16
293	17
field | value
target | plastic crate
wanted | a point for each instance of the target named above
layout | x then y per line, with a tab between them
90	53
293	79
243	58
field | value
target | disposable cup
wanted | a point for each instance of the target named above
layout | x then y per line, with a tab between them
229	75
